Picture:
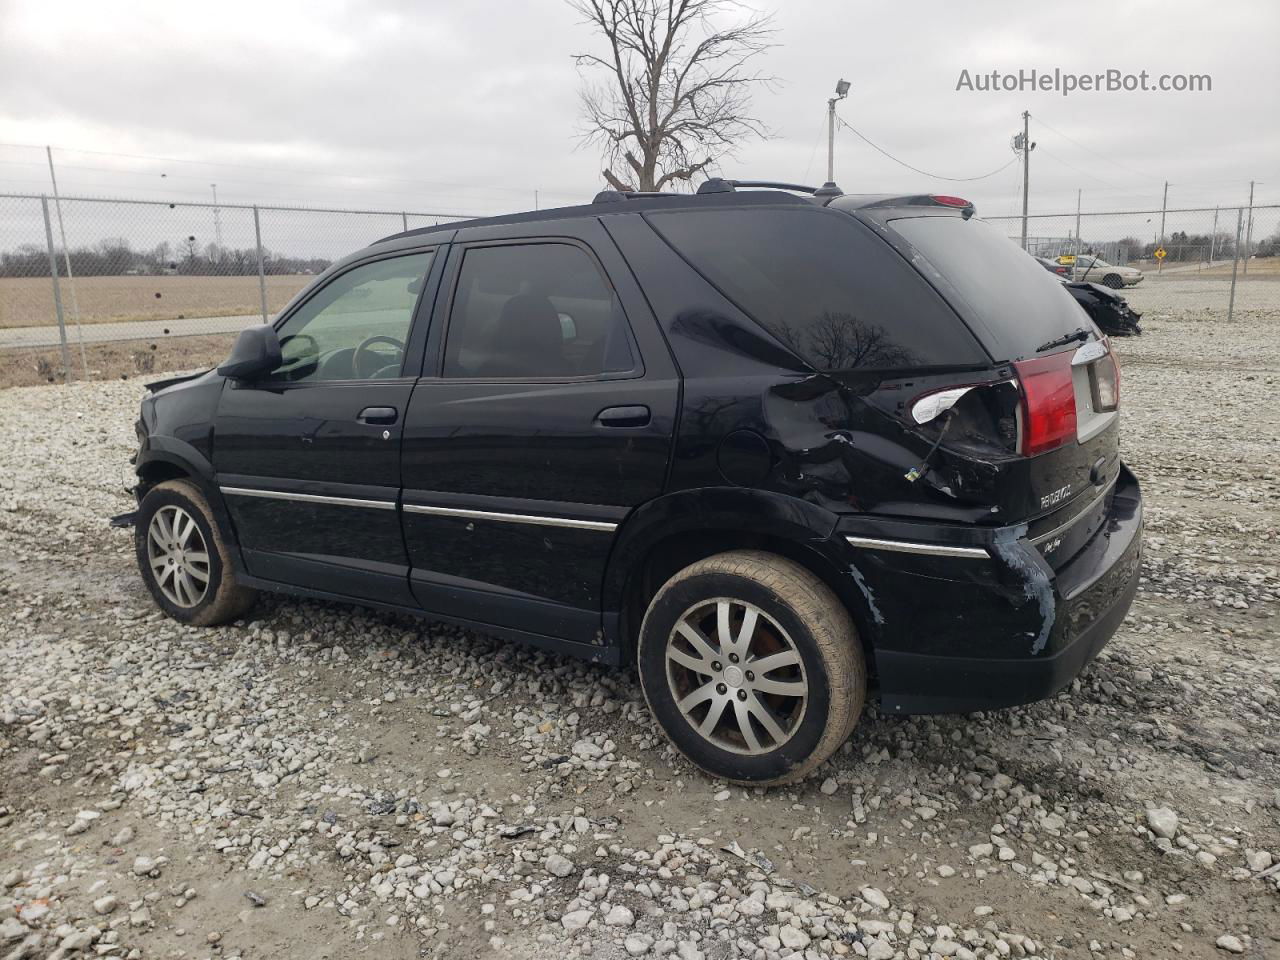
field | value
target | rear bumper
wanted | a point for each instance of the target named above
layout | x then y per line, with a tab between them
957	634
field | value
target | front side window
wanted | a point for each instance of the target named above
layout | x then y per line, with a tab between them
356	326
535	310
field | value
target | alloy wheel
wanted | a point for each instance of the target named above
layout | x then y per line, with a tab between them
736	676
178	556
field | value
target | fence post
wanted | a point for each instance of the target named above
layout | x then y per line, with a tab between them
57	291
262	269
1248	231
1164	206
1213	237
404	221
1235	264
1073	266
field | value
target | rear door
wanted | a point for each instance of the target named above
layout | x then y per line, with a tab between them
546	418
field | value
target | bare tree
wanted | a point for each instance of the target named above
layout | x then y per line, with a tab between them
678	89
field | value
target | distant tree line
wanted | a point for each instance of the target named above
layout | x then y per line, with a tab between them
1183	247
115	258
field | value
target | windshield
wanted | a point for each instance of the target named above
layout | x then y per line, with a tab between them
1011	302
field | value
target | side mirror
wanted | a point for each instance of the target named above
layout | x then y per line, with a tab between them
255	352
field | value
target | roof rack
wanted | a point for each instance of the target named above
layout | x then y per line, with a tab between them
720	185
613	196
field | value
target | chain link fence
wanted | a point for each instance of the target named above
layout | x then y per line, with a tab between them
140	285
1215	258
143	286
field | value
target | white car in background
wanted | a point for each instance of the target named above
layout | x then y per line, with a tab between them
1097	270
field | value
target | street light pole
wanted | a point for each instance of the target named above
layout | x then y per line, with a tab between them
842	91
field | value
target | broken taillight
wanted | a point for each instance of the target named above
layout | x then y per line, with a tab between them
1048	402
1104	383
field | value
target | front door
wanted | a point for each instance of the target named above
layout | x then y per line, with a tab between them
308	457
549	417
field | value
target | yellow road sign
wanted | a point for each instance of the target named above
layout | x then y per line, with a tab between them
1160	254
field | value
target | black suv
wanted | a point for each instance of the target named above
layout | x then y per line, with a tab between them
778	450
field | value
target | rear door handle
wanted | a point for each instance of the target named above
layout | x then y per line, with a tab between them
378	415
637	416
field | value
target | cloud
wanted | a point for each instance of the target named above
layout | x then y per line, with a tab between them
474	106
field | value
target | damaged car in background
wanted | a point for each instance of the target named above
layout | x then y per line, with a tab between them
1106	308
781	452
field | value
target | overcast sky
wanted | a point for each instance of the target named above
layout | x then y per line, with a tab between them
472	106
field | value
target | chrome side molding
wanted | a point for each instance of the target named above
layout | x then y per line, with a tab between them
603	526
911	546
308	498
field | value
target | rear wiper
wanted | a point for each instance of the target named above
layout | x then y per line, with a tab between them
1080	333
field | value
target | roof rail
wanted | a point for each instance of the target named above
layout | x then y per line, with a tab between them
613	196
720	185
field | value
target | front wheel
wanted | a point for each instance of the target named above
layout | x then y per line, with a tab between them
1113	281
183	558
752	667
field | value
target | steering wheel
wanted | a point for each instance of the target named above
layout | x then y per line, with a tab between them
358	359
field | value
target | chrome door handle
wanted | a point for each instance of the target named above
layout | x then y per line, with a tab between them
636	416
378	415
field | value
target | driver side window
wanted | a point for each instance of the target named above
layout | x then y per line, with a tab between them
356	326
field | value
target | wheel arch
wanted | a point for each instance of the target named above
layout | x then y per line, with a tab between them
670	533
164	459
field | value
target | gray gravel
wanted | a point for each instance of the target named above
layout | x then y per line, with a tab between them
325	781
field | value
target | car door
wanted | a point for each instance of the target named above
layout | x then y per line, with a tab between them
547	418
308	457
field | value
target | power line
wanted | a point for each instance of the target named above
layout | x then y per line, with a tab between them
303	170
1086	173
923	173
1122	166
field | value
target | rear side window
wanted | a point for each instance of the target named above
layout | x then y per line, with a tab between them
535	310
1012	303
823	284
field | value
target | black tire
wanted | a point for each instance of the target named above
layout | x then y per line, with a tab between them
1113	281
796	614
221	599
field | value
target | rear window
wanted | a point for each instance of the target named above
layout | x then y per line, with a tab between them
1010	301
823	284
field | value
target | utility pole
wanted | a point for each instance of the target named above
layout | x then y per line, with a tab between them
842	91
217	219
1164	205
1248	231
1022	142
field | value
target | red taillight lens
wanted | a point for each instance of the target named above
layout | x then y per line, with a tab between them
1048	402
947	201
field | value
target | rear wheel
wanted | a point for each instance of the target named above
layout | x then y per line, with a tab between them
752	667
183	558
1113	281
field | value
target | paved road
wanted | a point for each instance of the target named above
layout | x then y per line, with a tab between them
16	338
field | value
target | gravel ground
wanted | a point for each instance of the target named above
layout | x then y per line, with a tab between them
329	782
